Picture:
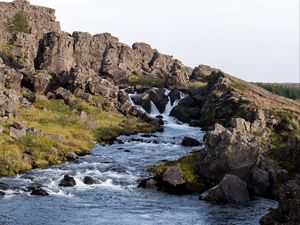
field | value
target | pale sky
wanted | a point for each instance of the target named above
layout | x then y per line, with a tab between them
256	40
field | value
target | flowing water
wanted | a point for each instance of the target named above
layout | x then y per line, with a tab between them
116	199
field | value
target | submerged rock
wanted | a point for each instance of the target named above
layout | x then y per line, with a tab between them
230	190
67	181
89	180
38	191
71	156
149	183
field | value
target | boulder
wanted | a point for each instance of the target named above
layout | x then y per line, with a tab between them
67	181
38	191
230	190
259	182
190	142
173	176
16	133
89	180
71	156
149	183
55	53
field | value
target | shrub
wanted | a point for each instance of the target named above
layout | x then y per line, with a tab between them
19	24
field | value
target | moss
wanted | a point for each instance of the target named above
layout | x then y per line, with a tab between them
146	81
18	23
6	51
239	86
190	167
197	85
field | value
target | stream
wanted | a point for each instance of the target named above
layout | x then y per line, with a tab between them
117	199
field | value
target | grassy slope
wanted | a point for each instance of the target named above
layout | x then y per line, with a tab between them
54	117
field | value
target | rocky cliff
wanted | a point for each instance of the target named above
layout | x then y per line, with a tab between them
53	83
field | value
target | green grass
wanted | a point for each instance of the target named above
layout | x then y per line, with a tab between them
18	23
56	118
189	165
146	81
197	85
239	86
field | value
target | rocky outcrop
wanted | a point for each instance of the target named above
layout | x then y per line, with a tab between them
38	191
288	211
230	190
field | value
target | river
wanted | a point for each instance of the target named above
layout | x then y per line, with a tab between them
117	199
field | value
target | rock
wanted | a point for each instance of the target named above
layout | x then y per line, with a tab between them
201	71
71	156
15	133
187	141
37	81
288	211
149	183
259	182
174	95
55	137
5	187
55	53
64	94
230	190
173	176
38	191
67	181
19	126
2	194
89	180
2	130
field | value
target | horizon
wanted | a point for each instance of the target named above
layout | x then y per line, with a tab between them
252	40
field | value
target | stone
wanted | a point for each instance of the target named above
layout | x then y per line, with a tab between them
259	182
173	176
89	180
71	156
190	142
230	190
38	191
67	181
55	137
149	183
55	53
16	133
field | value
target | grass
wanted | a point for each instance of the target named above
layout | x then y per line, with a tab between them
197	85
146	81
239	86
18	23
189	165
53	117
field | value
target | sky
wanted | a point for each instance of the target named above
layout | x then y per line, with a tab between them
255	40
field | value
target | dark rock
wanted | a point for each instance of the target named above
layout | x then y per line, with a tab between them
187	141
159	117
71	156
2	194
174	95
38	191
5	187
67	181
149	183
288	211
19	126
259	182
89	180
16	133
230	190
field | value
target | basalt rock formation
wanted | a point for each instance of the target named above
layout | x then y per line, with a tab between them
252	135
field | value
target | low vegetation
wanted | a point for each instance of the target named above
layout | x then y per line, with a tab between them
18	23
146	81
63	129
197	85
288	91
189	165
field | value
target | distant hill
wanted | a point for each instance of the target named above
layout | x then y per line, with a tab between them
289	90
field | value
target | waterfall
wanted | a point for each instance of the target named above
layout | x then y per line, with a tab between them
154	109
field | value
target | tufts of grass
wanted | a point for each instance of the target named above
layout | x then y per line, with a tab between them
18	23
146	81
239	86
197	85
